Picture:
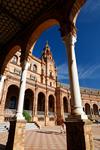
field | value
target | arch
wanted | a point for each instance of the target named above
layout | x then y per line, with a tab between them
75	10
51	104
38	31
87	109
41	103
12	97
28	100
65	105
8	57
95	109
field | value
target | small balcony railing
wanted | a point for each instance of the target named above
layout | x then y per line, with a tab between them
41	113
51	113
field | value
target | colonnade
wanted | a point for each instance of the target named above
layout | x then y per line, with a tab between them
76	102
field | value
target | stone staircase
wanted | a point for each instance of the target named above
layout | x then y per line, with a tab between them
31	126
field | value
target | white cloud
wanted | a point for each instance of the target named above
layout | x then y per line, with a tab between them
85	72
62	71
89	72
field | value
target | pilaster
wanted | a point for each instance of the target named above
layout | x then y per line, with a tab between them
35	103
46	109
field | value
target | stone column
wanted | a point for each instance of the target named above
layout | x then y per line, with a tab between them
46	109
25	66
55	106
76	101
2	78
3	94
35	104
62	106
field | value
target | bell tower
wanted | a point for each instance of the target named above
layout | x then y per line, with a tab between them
50	68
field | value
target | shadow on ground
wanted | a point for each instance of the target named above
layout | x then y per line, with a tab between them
49	132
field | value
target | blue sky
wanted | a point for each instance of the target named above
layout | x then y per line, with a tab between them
87	47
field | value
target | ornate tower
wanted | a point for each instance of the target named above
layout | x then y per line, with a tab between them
50	69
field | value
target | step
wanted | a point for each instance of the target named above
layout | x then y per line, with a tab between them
31	126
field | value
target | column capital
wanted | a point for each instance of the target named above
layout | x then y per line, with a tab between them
70	39
68	28
25	56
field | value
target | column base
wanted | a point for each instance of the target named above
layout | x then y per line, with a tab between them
79	134
35	118
46	121
20	116
77	117
16	135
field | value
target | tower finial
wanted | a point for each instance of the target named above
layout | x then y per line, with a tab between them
47	45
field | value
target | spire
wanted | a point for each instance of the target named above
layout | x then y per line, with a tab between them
46	51
47	45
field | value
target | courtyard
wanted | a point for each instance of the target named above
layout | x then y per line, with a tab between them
49	138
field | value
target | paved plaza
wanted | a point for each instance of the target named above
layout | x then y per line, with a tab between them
49	139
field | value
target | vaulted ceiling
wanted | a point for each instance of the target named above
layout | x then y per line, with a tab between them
19	17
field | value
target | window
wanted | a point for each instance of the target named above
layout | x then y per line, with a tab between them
33	78
35	68
42	72
17	71
12	103
51	74
50	83
15	59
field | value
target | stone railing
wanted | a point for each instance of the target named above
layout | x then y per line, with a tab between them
51	113
10	112
41	113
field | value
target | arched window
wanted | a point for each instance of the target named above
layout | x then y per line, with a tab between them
87	109
50	73
51	103
35	68
12	102
12	97
65	105
14	59
28	99
95	109
50	83
41	103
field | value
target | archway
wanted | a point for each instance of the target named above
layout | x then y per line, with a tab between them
95	109
51	105
87	109
11	100
41	104
65	106
46	24
28	101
